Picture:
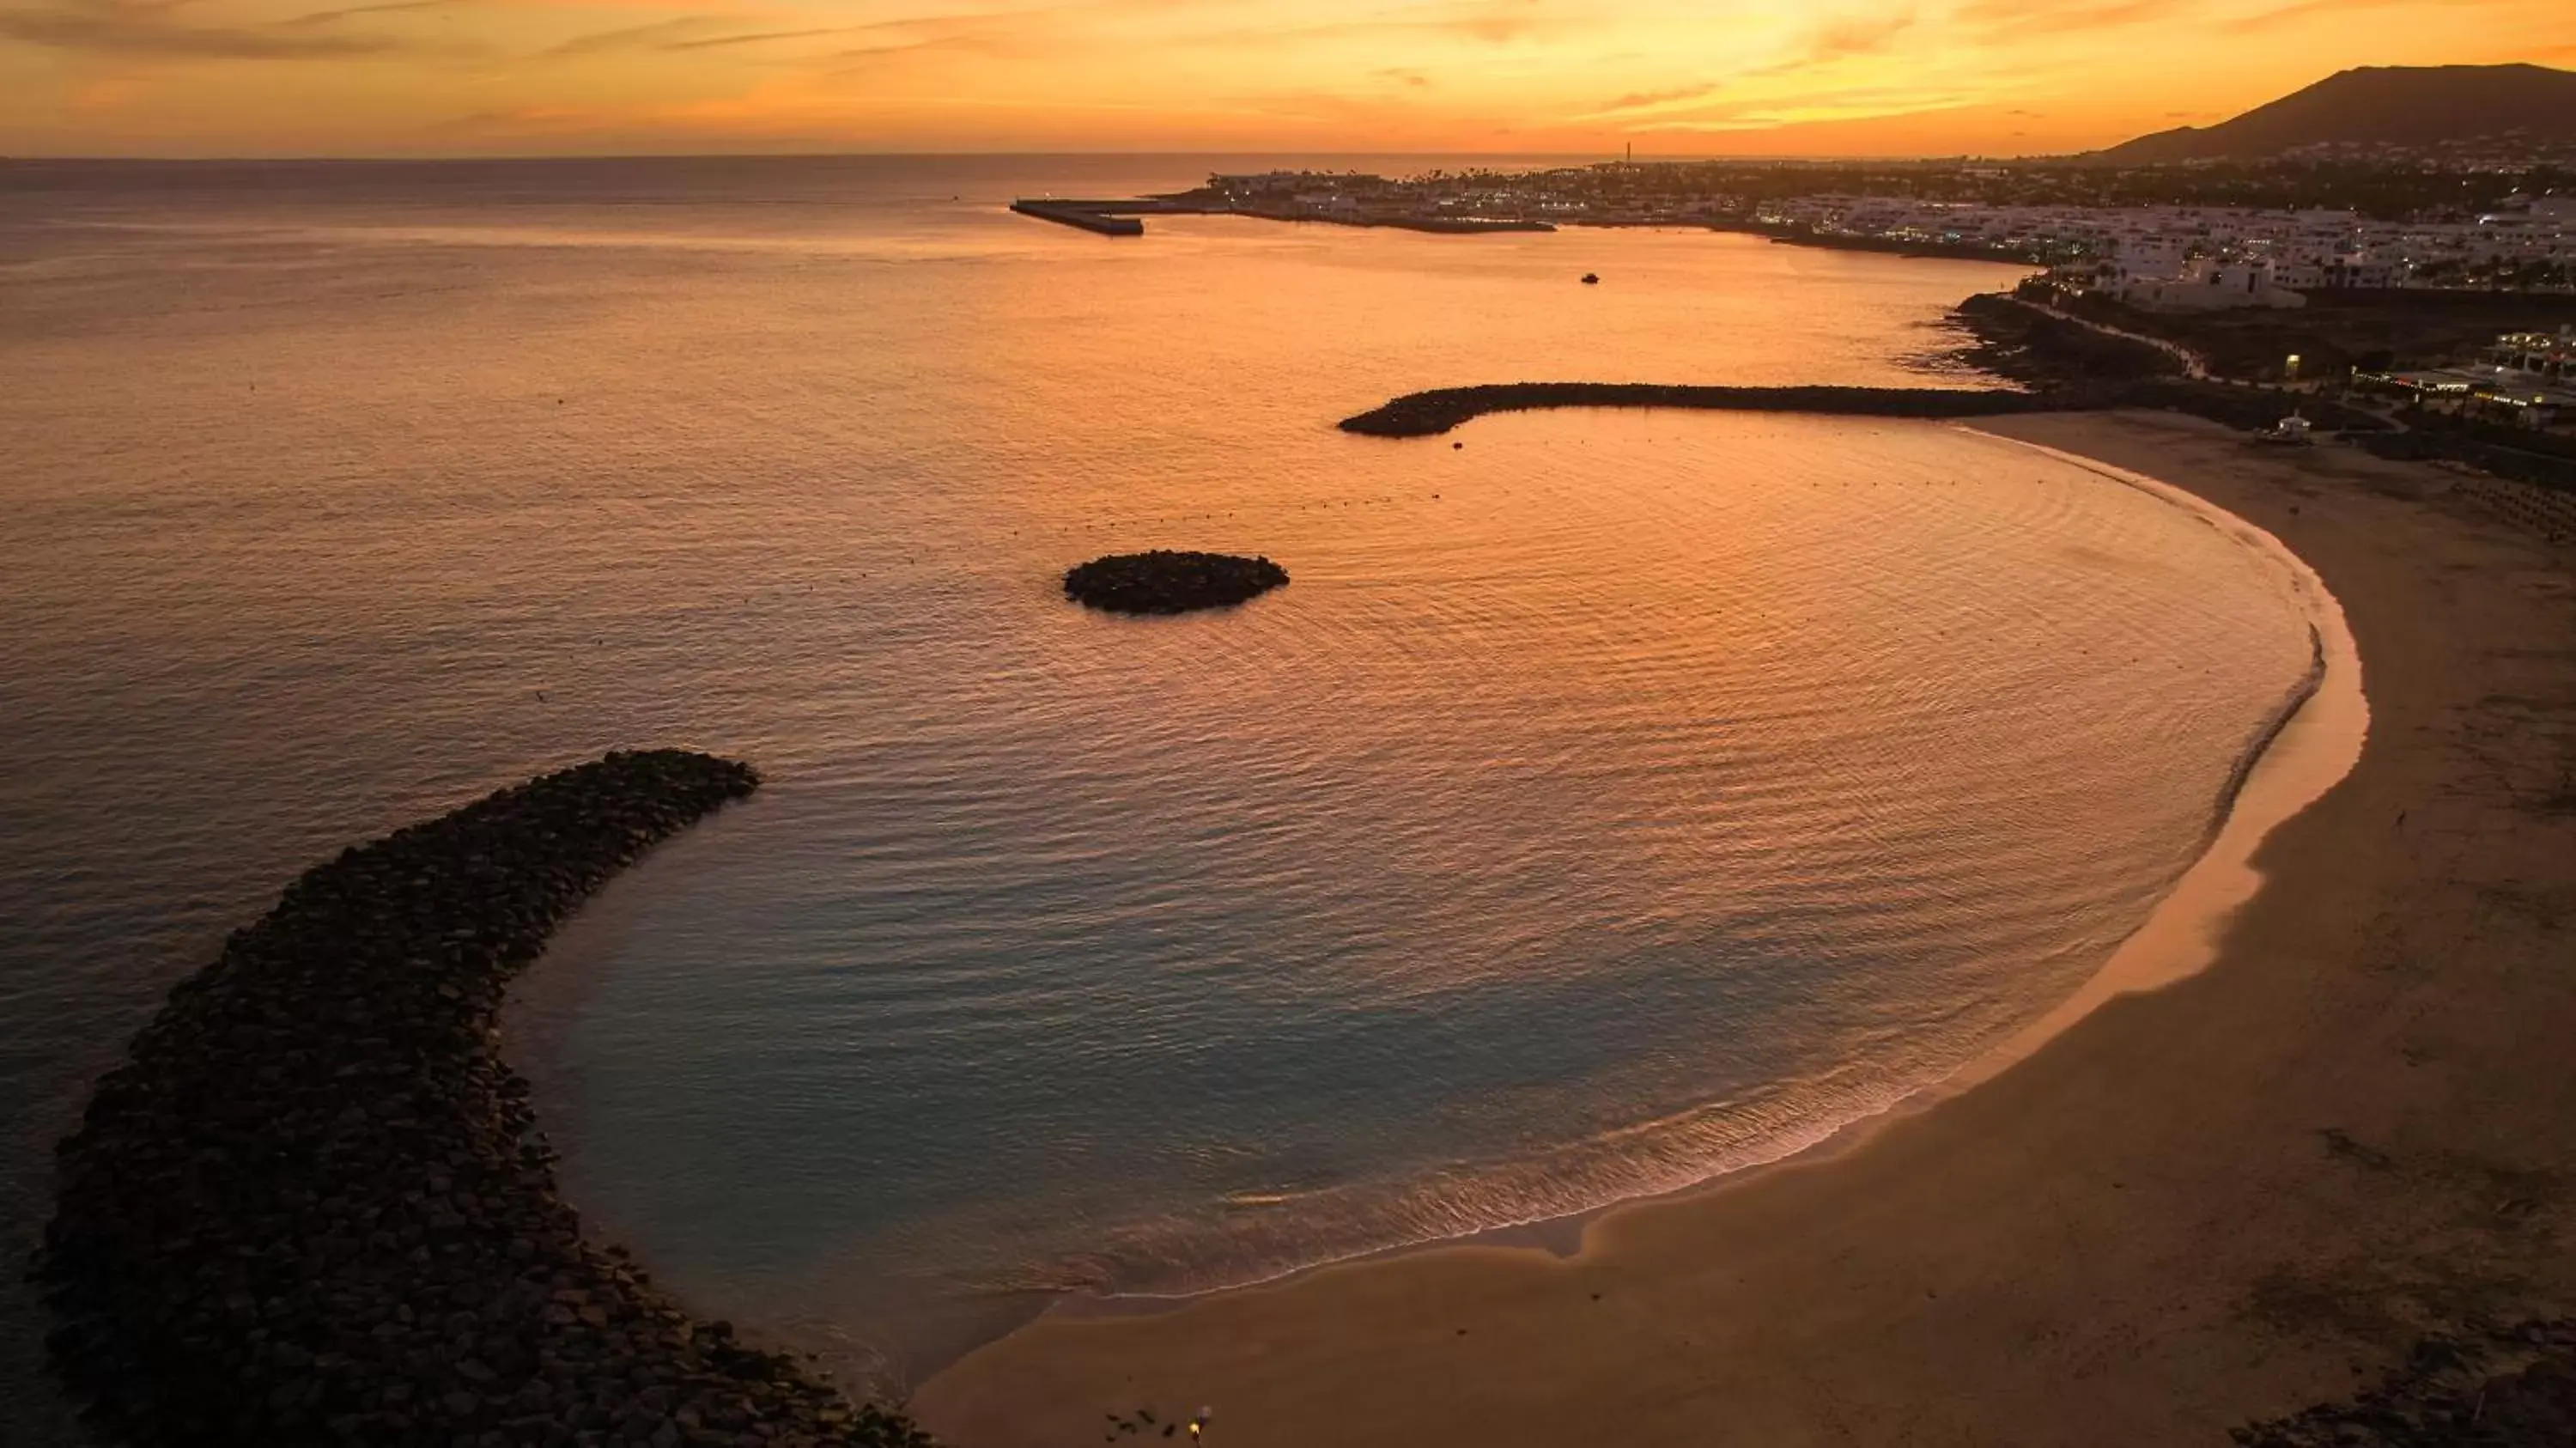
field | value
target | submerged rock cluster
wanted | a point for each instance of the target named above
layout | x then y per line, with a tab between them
312	1206
1164	581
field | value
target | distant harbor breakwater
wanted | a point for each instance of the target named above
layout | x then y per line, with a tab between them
1118	217
312	1206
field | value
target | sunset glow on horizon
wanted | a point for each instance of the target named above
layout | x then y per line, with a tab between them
1670	77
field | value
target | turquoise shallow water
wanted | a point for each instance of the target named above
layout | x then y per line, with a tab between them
1614	800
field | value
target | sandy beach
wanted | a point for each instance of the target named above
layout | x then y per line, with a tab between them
2223	1199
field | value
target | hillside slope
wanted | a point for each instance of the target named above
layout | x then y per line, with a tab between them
2384	105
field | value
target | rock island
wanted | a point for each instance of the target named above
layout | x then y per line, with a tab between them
1165	581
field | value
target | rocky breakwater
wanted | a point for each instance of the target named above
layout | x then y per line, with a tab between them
312	1206
1163	581
1425	414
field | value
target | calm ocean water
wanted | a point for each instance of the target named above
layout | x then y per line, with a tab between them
1609	802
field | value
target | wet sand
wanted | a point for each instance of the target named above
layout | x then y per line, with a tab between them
2217	1200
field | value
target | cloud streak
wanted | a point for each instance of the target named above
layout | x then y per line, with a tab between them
334	17
679	35
1494	22
2299	10
1649	100
148	31
2019	17
1851	35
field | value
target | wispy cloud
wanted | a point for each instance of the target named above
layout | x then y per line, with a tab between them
1850	35
686	33
334	17
1044	32
1495	22
520	119
2022	18
2298	10
1848	103
150	31
1649	100
634	37
754	37
1840	38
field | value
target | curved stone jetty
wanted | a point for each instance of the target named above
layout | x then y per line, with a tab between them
312	1206
1424	414
1164	581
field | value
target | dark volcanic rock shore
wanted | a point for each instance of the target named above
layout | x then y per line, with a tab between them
1423	414
2511	1387
312	1207
1164	581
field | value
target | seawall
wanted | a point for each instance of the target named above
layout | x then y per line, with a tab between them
1424	414
1082	215
312	1205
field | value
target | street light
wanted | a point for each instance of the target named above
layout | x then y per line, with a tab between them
2291	372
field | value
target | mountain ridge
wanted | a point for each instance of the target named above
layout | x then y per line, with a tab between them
2392	105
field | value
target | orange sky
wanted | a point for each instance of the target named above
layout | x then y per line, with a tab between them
1676	77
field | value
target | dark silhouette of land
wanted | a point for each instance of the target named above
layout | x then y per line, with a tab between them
2386	105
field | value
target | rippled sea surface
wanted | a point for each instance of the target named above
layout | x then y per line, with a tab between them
1612	800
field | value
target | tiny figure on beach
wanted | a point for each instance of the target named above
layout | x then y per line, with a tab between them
1199	1423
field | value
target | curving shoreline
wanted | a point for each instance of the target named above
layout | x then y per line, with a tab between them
2147	1223
2288	709
312	1205
2185	905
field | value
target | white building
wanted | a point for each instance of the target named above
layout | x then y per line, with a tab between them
2209	284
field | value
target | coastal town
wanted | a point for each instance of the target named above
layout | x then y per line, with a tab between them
2441	279
2180	236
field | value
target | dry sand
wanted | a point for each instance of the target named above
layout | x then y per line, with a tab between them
2219	1200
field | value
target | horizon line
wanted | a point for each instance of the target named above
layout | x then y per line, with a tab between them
308	158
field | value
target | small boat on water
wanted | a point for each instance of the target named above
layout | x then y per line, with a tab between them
1591	279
